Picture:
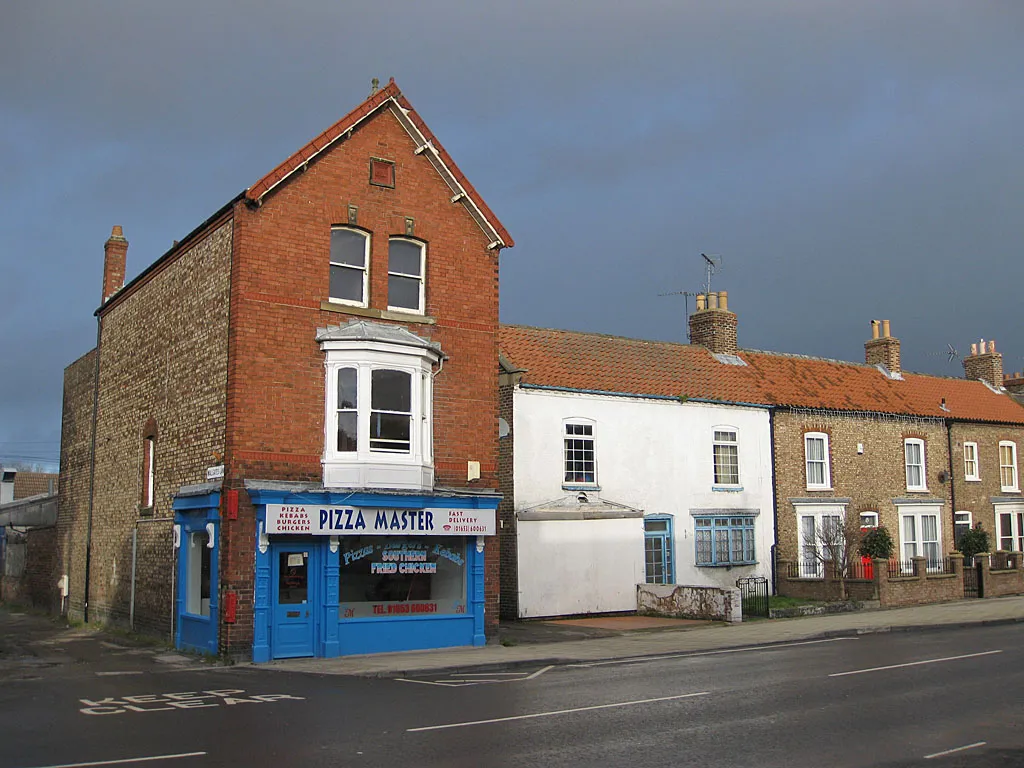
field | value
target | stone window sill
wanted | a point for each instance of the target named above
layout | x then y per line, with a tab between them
380	314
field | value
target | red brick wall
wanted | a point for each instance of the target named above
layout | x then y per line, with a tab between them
280	277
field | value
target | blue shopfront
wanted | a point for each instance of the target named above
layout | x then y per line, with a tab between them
197	544
343	572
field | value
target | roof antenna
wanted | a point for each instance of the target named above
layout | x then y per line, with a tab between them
711	265
374	86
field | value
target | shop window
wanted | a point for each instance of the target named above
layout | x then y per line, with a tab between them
402	576
659	565
197	574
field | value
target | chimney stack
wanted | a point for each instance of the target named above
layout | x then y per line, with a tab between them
882	348
713	325
115	255
984	363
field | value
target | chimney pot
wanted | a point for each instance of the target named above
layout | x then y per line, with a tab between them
712	300
974	349
874	329
723	300
701	305
885	329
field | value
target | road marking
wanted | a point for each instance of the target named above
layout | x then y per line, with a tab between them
113	674
635	659
958	749
127	760
913	663
557	712
462	682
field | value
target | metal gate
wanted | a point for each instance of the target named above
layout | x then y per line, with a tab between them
754	596
972	579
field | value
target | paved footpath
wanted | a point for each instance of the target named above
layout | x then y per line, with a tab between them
654	643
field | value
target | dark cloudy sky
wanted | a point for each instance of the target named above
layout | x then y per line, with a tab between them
849	160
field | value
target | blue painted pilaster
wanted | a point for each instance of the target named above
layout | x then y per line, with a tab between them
332	567
261	598
476	590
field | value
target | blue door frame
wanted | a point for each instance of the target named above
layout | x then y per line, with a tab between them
295	572
194	514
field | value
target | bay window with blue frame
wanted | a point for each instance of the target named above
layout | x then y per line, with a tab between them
724	539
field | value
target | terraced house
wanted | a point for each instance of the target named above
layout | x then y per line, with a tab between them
628	461
284	443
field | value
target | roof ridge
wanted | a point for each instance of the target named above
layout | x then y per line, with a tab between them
599	335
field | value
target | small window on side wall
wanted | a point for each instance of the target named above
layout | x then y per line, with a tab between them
406	263
350	251
382	173
148	491
971	470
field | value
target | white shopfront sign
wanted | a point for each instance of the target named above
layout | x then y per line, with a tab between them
363	521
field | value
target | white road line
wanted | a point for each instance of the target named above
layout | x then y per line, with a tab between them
635	659
127	760
459	682
913	663
556	712
113	674
493	674
433	682
958	749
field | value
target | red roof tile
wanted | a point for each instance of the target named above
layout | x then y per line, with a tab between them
591	361
332	134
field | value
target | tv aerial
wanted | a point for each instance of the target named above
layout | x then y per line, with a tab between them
712	264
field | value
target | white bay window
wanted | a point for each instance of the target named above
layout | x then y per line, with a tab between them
378	408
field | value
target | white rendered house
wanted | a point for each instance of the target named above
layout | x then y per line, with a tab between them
614	482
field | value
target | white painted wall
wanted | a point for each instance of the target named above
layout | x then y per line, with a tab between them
579	566
655	455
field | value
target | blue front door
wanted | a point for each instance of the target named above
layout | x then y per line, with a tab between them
294	600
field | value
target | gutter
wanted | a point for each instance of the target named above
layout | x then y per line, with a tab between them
638	396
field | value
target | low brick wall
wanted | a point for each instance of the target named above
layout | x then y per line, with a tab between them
1002	573
919	589
29	568
689	602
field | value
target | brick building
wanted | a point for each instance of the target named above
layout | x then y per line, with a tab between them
286	437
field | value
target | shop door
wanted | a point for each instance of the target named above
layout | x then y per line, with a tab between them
294	601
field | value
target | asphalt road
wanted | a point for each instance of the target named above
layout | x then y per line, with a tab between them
823	703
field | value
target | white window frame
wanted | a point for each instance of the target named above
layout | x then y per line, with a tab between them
566	437
149	487
915	547
365	270
1013	487
971	458
422	276
962	517
366	467
811	566
826	463
734	443
1015	534
916	441
872	521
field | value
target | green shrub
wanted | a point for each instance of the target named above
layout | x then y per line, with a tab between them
877	544
973	541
